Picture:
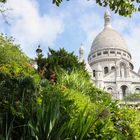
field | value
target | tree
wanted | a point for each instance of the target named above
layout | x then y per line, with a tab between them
56	61
3	10
122	7
11	53
3	1
40	60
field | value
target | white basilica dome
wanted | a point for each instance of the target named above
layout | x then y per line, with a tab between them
108	45
108	38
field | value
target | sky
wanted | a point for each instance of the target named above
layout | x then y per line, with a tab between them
39	22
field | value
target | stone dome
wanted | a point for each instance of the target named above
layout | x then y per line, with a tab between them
108	38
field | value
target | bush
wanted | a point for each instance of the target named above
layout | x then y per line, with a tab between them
133	97
69	108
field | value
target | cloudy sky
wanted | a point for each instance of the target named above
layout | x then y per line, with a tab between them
34	22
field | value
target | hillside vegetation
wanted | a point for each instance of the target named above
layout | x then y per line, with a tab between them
57	102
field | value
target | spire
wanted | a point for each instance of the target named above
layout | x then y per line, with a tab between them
81	53
107	18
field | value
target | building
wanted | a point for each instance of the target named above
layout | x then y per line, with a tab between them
110	63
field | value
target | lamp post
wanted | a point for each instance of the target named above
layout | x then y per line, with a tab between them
38	50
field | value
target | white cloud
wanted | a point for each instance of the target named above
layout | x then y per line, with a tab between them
30	28
91	24
133	42
85	3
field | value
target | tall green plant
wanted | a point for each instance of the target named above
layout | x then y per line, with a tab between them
42	127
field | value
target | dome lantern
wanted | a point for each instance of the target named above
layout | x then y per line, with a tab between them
107	18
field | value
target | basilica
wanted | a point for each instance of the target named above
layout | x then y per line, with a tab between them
110	63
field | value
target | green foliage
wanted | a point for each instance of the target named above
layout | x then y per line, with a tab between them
71	108
80	81
3	1
10	53
44	125
41	62
18	85
63	59
16	101
56	61
109	121
122	7
13	61
133	97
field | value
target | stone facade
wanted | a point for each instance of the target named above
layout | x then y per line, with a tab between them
109	63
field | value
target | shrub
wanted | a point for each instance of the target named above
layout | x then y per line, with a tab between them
133	97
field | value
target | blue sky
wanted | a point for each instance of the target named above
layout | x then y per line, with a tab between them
34	22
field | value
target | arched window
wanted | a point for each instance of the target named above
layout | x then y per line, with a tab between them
123	70
110	90
137	90
94	73
106	70
124	90
113	68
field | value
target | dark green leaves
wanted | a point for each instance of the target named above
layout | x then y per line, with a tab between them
3	1
122	7
57	2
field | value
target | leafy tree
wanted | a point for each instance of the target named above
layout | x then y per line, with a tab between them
122	7
41	61
18	81
16	101
56	61
11	53
3	1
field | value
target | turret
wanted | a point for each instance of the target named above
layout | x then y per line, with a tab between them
81	53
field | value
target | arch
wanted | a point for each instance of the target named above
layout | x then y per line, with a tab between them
122	62
113	68
137	90
106	70
122	69
124	90
110	89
